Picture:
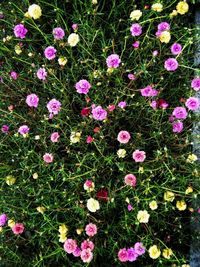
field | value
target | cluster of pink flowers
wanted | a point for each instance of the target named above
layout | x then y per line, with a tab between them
148	91
163	26
17	228
131	254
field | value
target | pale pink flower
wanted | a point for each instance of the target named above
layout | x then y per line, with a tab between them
14	75
136	29
131	76
50	52
195	84
148	91
130	179
139	156
122	104
176	49
91	229
70	245
113	61
41	74
24	129
54	106
48	158
58	33
123	137
192	103
54	137
180	113
86	255
83	87
163	26
177	126
98	113
32	100
87	244
18	228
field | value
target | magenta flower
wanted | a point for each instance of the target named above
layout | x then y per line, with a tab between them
123	137
54	106
139	248
3	219
129	207
70	245
5	128
180	113
98	113
18	228
32	100
195	84
139	156
20	31
153	104
41	74
131	76
58	33
113	61
75	26
123	255
192	103
163	26
48	158
77	252
23	129
89	139
91	229
122	104
171	64
50	52
177	126
136	29
14	75
83	87
136	44
176	49
130	179
54	137
132	255
86	255
148	91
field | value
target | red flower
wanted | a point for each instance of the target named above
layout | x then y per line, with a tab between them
96	130
102	194
85	112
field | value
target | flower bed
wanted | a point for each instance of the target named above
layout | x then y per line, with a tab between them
96	163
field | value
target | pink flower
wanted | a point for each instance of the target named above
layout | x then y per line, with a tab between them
148	91
14	75
163	26
5	128
123	137
86	255
113	61
136	29
77	252
48	158
3	219
162	103
195	84
122	104
98	113
136	44
171	64
70	245
176	49
132	255
20	31
24	129
50	52
130	179
177	126
54	106
155	53
83	87
87	244
111	107
89	184
130	207
123	255
75	26
41	74
58	33
131	76
32	100
89	139
18	228
54	137
180	113
139	156
192	103
153	104
91	229
139	248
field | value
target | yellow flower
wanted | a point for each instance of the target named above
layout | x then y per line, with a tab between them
165	37
192	158
181	205
18	50
182	7
79	231
75	137
35	11
141	169
62	61
169	196
136	14
158	7
94	2
10	180
153	205
73	39
110	70
27	15
189	190
1	229
185	265
63	229
154	252
41	209
35	175
167	252
174	13
143	216
121	153
62	238
11	223
93	205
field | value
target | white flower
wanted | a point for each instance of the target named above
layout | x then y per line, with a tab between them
73	39
136	14
93	205
35	11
